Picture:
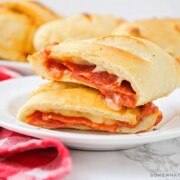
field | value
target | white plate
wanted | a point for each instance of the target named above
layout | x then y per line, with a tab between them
21	67
14	93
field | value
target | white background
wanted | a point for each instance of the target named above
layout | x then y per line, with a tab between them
128	9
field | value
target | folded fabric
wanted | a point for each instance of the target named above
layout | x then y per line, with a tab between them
24	157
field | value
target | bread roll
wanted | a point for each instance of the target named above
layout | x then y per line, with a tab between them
19	21
83	26
164	32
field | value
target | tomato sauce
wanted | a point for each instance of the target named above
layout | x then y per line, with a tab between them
103	81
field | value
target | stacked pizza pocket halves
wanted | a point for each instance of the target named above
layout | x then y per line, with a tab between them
68	105
109	84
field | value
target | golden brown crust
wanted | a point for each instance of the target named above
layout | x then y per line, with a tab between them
83	26
15	45
164	32
36	11
51	86
19	21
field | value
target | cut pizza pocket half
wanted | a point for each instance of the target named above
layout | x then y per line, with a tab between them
128	71
67	105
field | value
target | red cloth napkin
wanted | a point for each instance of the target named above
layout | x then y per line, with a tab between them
27	158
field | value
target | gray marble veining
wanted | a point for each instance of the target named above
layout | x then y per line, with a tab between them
156	161
157	157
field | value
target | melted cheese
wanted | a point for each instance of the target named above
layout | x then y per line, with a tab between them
79	61
98	69
111	104
91	117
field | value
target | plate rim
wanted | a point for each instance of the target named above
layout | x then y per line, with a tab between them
14	63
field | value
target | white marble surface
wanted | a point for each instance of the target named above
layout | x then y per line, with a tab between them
154	161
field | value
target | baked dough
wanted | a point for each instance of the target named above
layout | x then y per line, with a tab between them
79	101
83	26
164	32
39	13
19	21
151	71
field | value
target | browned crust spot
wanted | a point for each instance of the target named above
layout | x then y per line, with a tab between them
177	28
178	59
87	16
120	21
135	31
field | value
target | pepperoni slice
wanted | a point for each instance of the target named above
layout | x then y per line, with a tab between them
103	81
53	120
